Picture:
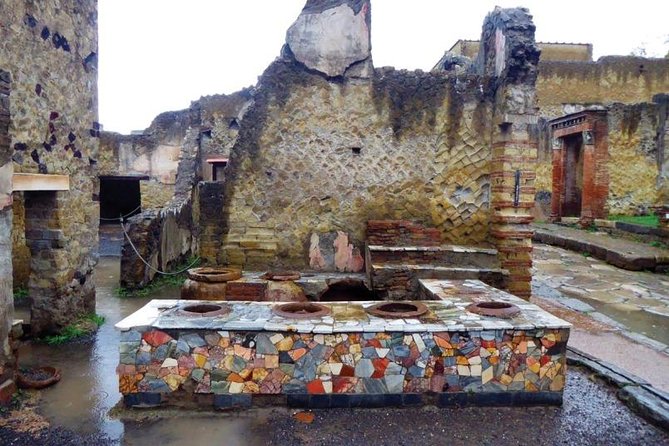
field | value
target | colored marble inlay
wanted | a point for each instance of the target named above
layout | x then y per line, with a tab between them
233	362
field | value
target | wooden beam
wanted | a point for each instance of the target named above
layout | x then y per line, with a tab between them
40	182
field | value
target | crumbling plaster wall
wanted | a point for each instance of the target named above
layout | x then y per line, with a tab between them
634	166
153	153
50	50
169	233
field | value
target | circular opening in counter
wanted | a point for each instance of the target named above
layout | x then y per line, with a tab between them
494	309
214	275
204	310
281	276
301	310
397	309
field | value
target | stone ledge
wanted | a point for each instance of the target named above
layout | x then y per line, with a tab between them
628	255
24	182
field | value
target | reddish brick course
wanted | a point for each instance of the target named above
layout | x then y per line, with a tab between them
401	233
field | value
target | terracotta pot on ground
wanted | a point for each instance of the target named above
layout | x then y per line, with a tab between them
208	283
38	377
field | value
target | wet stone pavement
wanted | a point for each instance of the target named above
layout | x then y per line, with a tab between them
637	300
81	408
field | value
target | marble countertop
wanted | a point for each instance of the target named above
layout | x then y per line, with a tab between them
447	313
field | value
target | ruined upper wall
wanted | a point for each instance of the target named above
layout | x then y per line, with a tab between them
550	51
332	37
321	152
624	79
219	118
50	49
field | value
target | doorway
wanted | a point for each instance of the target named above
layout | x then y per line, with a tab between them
573	173
119	196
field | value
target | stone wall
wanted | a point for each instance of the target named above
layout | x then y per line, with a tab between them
637	162
550	51
7	364
323	156
163	237
625	79
51	50
154	154
187	220
325	149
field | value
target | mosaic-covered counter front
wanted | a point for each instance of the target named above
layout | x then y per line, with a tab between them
347	358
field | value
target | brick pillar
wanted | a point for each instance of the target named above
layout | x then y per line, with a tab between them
600	128
509	56
512	200
588	200
558	179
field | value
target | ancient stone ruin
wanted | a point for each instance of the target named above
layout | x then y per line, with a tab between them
351	180
371	183
326	142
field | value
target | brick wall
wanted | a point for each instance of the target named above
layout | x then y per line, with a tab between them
401	233
512	57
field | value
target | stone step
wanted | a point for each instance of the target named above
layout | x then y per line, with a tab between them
437	256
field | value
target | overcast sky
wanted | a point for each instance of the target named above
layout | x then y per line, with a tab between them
159	55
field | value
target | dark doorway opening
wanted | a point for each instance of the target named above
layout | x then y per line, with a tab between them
119	196
573	173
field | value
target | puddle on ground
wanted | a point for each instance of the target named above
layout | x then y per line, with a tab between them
648	324
89	386
237	430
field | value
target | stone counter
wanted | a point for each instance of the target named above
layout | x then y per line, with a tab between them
347	358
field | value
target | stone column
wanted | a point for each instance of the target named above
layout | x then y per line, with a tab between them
512	200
